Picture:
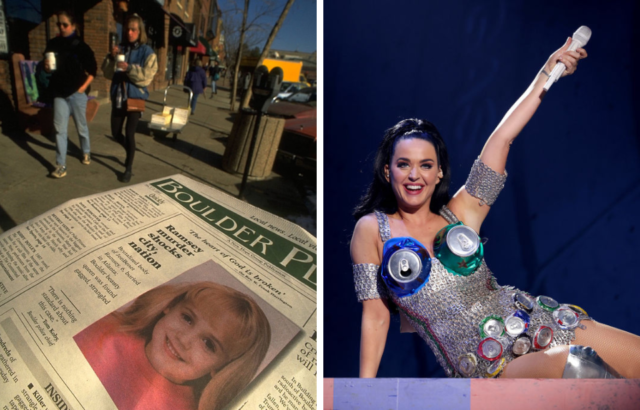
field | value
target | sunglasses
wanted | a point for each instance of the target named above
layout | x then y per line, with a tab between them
63	25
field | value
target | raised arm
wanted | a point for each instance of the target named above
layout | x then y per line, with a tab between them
366	257
496	149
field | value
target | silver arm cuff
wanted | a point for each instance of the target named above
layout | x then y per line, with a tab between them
368	282
484	183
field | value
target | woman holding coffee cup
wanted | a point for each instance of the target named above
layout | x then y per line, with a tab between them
73	67
131	67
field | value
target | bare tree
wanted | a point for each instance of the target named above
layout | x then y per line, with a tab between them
267	46
239	55
243	34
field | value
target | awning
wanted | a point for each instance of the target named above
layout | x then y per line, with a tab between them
199	49
203	48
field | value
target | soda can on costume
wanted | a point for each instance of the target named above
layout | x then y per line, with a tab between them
467	364
517	323
524	301
566	318
459	249
521	345
490	349
543	337
547	303
495	368
406	265
578	309
491	326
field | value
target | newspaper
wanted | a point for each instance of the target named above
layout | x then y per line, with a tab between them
165	294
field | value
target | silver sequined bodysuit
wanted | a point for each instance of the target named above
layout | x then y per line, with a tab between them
448	310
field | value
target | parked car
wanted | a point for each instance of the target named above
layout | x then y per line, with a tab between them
288	88
300	101
299	139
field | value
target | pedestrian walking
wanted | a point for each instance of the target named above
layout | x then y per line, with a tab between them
73	67
131	68
214	74
196	79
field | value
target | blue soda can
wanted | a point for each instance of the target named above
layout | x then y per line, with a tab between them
406	266
517	323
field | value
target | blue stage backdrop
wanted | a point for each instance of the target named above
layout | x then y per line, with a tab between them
567	224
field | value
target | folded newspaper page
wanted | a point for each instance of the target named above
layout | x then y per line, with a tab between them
163	295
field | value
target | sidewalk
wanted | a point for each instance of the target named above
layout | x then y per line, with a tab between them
26	190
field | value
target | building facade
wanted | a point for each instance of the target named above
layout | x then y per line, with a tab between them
175	29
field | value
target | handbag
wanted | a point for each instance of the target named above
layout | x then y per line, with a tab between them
135	104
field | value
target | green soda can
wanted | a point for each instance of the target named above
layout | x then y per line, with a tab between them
459	249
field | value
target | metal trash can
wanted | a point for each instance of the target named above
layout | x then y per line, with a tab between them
268	139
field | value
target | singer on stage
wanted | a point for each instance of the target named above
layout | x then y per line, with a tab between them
416	251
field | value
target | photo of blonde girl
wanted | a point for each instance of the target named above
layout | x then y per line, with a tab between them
189	345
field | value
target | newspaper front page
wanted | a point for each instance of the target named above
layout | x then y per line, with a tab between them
166	295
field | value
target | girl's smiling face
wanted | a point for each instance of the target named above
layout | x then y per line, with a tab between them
186	344
413	172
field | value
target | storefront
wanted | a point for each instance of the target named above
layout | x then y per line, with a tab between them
204	49
181	37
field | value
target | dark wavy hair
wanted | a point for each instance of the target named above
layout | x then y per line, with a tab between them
379	195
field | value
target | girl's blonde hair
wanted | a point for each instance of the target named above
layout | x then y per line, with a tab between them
142	38
255	332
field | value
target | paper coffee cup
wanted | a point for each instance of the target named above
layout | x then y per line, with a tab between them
51	59
119	59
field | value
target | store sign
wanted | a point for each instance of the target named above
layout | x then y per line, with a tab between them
177	32
4	42
183	35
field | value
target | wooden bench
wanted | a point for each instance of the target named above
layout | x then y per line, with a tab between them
34	116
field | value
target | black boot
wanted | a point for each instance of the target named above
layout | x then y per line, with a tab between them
126	177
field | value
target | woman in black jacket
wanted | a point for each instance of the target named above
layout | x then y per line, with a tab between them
196	79
75	68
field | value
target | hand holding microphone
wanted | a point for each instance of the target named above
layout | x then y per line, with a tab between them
568	56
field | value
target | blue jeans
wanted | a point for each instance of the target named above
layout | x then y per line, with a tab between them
76	105
213	87
194	100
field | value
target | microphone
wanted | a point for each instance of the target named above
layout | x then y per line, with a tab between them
579	39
